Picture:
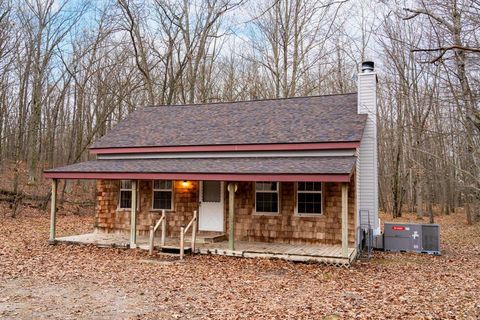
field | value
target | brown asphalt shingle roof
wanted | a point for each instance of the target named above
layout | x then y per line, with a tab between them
331	118
282	165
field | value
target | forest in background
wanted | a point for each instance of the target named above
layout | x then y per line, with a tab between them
70	70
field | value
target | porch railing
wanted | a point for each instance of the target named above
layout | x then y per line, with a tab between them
183	230
163	222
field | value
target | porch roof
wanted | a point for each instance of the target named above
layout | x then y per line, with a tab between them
335	169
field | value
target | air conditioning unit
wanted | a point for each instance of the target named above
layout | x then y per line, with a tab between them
412	237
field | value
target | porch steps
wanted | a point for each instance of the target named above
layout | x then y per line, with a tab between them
207	237
174	249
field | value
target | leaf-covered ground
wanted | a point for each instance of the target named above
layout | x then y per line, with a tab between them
39	281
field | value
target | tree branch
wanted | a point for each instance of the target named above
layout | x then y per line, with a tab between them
452	47
417	12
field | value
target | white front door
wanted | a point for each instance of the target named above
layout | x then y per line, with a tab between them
211	206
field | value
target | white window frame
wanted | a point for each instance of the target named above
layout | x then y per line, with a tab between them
322	200
260	213
172	183
119	208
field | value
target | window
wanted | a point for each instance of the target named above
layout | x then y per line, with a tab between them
266	197
309	198
125	194
162	195
212	191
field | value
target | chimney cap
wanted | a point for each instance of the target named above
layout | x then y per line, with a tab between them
368	66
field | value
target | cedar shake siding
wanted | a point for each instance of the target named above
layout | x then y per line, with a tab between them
284	227
109	218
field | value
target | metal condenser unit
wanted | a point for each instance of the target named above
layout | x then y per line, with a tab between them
412	237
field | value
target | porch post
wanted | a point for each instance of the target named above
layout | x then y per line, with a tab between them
53	211
345	220
232	187
133	216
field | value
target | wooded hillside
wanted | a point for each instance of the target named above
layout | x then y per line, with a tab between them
70	70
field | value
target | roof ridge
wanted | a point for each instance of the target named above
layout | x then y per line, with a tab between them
244	101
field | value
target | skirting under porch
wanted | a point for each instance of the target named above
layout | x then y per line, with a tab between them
320	253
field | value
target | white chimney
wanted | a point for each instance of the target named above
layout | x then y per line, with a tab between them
367	163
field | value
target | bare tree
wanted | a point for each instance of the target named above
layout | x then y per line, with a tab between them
45	25
453	23
65	81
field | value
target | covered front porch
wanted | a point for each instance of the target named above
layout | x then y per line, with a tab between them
260	213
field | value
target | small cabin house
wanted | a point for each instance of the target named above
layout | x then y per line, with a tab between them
292	178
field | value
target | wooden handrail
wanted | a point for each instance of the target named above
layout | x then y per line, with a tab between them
183	231
162	221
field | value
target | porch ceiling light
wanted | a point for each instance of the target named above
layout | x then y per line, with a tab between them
184	183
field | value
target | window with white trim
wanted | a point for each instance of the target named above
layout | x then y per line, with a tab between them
266	197
125	194
309	198
162	195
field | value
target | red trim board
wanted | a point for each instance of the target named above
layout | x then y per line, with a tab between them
200	176
239	147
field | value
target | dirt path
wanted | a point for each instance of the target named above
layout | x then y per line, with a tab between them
38	281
